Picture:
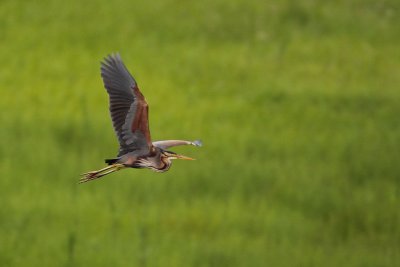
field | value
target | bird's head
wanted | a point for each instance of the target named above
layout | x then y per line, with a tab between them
172	155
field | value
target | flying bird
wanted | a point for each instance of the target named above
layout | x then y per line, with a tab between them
129	114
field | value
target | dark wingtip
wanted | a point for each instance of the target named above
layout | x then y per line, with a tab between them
111	59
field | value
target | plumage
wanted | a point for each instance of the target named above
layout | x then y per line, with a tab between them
129	113
128	107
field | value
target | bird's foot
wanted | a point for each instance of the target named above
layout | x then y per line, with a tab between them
92	175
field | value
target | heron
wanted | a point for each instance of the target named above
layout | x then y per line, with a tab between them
129	114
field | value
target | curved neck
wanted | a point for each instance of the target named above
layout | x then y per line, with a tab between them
166	164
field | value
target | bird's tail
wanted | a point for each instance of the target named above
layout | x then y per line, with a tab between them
89	176
111	161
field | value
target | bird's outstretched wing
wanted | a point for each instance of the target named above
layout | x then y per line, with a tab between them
128	107
171	143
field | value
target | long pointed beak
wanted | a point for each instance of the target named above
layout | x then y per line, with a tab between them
183	157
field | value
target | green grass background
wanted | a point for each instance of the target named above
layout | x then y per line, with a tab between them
297	103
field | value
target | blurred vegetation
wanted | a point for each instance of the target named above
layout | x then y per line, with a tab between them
297	103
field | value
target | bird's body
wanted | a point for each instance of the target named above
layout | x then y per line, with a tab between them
152	160
129	114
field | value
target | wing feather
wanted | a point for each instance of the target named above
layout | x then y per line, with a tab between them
128	107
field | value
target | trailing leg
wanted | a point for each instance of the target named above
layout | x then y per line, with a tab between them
100	173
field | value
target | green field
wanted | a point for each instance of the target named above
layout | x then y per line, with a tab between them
297	104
